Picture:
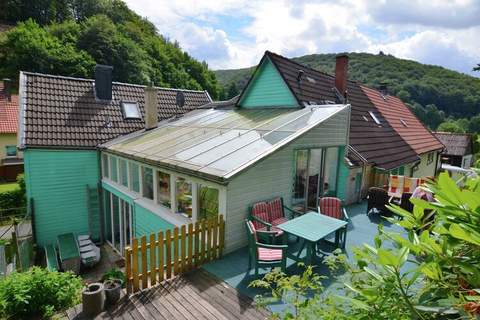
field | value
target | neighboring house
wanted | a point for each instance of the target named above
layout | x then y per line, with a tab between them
62	122
155	175
11	162
458	149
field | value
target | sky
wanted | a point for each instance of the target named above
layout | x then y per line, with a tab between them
235	33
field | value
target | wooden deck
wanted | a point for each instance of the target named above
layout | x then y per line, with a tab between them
194	295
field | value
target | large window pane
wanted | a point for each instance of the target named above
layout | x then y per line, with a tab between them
113	169
116	221
123	172
300	182
135	183
105	165
207	202
147	177
163	190
184	197
108	216
314	169
330	173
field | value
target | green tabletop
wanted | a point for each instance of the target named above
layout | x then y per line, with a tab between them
312	226
67	246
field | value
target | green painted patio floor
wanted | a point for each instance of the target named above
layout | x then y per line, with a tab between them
232	268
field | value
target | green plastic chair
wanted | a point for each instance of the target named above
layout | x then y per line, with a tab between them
263	255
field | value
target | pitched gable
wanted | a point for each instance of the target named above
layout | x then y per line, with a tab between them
267	89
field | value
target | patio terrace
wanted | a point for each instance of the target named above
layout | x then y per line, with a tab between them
232	268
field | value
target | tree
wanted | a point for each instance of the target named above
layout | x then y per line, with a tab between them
477	68
450	126
232	90
474	124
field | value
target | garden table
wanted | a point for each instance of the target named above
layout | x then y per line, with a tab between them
312	227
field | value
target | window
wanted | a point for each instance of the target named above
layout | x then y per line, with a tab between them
300	183
430	158
330	173
207	202
163	190
147	182
374	117
130	110
184	197
113	169
11	151
404	123
134	177
123	172
105	165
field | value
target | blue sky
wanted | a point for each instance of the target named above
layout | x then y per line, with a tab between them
235	33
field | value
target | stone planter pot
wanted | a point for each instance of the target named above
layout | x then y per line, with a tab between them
93	299
113	289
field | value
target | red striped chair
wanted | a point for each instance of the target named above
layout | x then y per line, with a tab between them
332	207
264	255
276	210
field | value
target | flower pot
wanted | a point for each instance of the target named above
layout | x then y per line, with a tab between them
93	299
113	290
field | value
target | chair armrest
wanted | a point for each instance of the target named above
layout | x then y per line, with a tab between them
294	212
269	225
345	215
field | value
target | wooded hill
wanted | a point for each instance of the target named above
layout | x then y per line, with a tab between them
68	37
434	93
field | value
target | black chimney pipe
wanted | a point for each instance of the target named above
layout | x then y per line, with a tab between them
7	89
103	82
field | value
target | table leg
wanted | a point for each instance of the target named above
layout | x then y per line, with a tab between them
337	238
310	252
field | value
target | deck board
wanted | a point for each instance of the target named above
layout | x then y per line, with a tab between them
195	295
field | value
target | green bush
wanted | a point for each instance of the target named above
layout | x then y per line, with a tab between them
114	274
38	293
14	199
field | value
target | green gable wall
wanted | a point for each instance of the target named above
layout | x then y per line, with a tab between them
267	89
57	180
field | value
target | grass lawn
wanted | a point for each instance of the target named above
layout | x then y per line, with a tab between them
8	186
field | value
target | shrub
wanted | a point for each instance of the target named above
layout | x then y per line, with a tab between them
114	274
38	293
14	199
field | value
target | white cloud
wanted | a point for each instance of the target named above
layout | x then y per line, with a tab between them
436	31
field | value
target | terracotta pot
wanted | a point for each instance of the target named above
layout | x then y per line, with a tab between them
113	289
93	299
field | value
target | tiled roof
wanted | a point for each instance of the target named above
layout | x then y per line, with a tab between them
62	112
378	144
456	144
8	112
402	119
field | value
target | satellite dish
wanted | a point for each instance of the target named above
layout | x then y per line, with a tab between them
180	99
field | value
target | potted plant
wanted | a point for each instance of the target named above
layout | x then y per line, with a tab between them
93	299
113	288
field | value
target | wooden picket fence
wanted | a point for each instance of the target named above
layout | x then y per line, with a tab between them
170	253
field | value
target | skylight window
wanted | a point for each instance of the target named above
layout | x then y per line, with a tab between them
130	110
404	123
374	117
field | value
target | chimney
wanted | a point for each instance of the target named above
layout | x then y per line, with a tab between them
7	89
383	88
103	82
341	67
151	107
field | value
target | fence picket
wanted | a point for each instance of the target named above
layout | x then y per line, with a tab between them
135	265
192	245
161	263
153	262
168	251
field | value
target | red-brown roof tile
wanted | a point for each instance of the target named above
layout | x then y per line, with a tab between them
8	112
402	119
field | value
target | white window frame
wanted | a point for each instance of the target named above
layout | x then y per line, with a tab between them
374	117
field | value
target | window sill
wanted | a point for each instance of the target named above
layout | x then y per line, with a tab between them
163	212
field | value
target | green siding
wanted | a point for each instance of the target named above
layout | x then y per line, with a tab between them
147	222
342	178
117	193
56	180
267	89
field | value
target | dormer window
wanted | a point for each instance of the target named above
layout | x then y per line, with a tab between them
130	110
374	117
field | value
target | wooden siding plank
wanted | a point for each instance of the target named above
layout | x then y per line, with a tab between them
143	240
183	249
161	261
190	246
175	251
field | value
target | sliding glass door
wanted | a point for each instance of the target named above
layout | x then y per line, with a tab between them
315	176
118	222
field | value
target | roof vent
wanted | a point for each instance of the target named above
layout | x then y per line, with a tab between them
7	89
383	88
404	123
103	82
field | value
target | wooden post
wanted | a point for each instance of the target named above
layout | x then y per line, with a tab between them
216	225
128	269
153	261
135	265
168	257
203	240
175	250
222	236
161	268
210	224
183	250
18	262
144	262
197	244
190	245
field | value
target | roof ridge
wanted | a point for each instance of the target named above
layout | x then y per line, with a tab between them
113	82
